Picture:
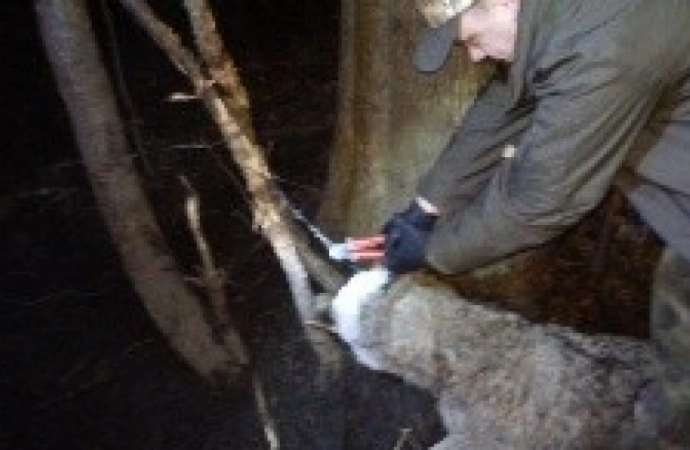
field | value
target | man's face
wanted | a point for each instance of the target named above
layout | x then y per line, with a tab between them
488	30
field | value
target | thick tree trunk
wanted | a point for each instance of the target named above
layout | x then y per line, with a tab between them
392	121
86	91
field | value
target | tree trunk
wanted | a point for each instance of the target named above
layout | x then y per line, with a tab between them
392	121
84	86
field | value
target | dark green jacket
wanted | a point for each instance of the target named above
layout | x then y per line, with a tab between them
599	92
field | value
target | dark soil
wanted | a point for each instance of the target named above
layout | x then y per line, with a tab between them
82	364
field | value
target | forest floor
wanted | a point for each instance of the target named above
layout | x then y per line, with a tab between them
82	364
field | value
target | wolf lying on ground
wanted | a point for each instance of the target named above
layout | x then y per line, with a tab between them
502	382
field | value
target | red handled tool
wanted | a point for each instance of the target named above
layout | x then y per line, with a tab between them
368	250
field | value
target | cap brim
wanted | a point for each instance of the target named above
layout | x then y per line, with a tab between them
434	47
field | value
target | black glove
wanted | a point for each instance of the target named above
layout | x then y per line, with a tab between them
406	236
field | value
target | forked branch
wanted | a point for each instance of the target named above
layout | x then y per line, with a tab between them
245	152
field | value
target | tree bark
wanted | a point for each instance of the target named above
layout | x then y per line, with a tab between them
222	70
220	66
85	88
392	121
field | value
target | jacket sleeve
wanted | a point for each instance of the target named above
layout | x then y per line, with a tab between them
582	126
475	150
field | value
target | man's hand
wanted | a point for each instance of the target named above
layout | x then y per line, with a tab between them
402	245
406	236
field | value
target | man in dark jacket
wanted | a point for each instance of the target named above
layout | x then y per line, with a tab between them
588	93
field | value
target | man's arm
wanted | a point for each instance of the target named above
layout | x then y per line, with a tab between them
475	151
464	167
579	134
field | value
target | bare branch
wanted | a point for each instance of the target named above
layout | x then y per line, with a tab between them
218	62
213	279
246	153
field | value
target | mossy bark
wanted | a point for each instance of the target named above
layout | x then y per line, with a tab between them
392	120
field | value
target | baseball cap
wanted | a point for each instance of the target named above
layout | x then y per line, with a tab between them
443	18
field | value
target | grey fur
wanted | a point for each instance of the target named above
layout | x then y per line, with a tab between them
503	382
